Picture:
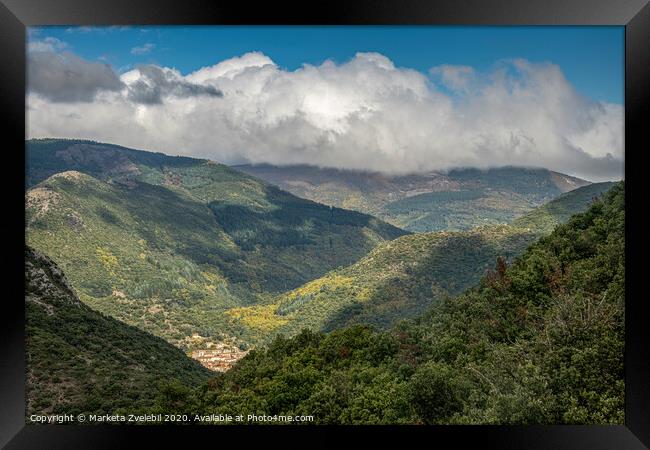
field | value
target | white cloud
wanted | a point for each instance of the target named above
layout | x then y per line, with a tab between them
143	49
102	30
49	44
362	114
455	78
230	68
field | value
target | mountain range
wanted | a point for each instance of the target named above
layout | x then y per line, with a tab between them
459	199
217	261
169	244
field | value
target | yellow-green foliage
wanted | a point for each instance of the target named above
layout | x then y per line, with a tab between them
107	259
329	282
140	251
399	279
259	317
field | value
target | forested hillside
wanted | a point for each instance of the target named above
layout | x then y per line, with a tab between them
536	341
79	360
392	282
549	215
404	277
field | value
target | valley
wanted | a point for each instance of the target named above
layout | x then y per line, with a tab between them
538	340
217	262
323	225
403	278
171	244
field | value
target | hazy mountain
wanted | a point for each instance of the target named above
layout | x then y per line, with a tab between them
79	360
457	200
168	244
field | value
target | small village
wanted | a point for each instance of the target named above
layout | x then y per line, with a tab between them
218	357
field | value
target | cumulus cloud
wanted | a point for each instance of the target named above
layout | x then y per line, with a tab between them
149	84
64	77
49	44
364	114
455	78
143	49
230	68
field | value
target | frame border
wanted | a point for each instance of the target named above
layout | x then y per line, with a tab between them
16	15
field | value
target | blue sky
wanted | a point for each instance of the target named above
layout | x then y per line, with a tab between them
592	58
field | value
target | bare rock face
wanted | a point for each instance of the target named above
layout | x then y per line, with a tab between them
45	284
75	221
566	183
39	200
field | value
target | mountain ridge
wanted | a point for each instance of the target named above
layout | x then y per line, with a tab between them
200	254
455	200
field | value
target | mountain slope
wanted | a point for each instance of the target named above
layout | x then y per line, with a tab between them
537	342
401	278
78	360
228	192
457	200
545	218
168	244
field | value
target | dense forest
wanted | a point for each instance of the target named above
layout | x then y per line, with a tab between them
538	341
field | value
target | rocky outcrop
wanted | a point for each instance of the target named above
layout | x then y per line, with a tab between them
45	283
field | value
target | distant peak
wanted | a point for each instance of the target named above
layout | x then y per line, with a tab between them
69	174
68	177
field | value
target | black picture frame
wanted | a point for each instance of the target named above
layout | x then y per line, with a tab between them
16	15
